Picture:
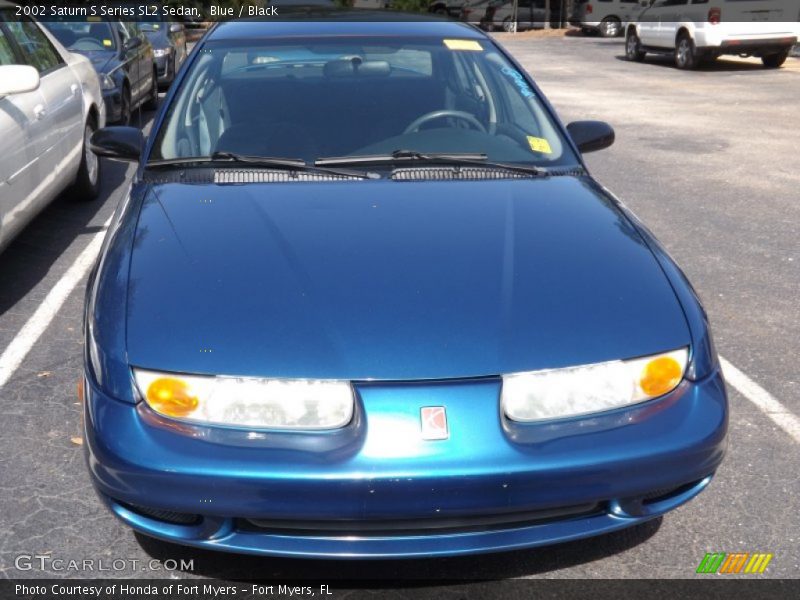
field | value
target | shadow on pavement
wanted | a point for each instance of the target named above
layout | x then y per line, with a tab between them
721	64
502	565
32	254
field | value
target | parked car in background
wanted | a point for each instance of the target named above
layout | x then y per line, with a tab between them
499	15
695	31
366	4
451	8
168	39
605	17
123	58
50	104
474	11
288	7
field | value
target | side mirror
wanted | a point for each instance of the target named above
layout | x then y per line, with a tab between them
133	42
175	28
18	79
590	136
120	143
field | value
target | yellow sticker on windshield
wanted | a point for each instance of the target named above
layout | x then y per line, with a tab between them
463	45
92	19
538	144
107	43
156	26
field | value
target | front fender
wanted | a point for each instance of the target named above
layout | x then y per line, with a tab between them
105	306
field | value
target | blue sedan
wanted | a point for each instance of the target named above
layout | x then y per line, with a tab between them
364	300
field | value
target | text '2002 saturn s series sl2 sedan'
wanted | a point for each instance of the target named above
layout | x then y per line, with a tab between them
364	300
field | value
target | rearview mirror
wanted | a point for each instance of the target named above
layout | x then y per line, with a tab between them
18	79
119	143
590	136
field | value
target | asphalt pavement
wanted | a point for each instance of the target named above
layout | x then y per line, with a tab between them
708	159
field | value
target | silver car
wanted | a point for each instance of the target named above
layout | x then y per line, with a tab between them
50	104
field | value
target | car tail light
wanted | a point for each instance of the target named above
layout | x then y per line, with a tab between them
589	9
714	15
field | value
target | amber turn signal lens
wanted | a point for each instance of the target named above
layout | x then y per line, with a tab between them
171	397
660	375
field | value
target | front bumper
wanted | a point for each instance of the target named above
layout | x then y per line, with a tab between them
375	489
577	22
164	69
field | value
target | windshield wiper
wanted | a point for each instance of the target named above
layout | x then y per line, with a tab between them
440	158
293	164
263	161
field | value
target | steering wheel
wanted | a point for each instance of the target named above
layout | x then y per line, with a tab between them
440	114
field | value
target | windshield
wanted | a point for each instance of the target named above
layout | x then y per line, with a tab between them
342	97
151	27
83	36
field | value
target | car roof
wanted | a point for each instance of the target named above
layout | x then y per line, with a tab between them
340	24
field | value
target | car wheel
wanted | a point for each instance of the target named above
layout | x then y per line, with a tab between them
508	25
685	53
633	47
610	27
87	182
773	61
152	99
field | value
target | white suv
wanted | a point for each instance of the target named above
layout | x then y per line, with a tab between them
699	30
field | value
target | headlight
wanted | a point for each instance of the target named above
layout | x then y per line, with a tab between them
159	52
559	393
248	402
106	82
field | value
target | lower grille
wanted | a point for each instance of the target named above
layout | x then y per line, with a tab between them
665	493
167	516
434	525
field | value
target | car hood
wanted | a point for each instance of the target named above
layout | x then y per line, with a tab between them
102	61
392	280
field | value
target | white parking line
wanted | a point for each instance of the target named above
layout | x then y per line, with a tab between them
30	333
763	400
33	329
